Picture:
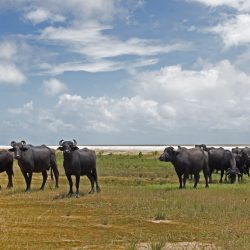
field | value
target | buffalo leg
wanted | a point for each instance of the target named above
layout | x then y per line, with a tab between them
25	175
70	184
94	173
55	171
240	177
45	176
29	181
226	177
185	177
196	180
180	181
92	182
77	185
210	177
221	175
10	184
206	177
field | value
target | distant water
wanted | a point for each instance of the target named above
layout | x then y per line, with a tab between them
142	148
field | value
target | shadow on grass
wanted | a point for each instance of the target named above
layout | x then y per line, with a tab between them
67	196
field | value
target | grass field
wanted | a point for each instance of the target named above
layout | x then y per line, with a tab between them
140	207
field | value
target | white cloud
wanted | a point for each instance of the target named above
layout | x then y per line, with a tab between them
240	5
166	102
26	109
100	51
52	123
7	50
10	74
211	98
93	67
115	115
53	87
96	66
78	10
40	15
235	31
90	41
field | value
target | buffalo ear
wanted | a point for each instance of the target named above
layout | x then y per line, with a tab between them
176	152
60	148
75	148
11	150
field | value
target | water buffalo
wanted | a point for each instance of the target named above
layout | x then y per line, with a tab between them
246	156
223	160
34	159
6	164
187	161
239	164
79	162
242	157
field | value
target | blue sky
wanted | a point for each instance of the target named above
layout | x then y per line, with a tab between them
125	72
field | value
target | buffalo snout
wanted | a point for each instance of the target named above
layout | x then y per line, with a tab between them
67	151
161	158
17	157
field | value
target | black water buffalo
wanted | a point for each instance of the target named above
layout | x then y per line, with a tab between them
240	164
34	159
246	157
223	160
79	162
6	164
187	161
242	157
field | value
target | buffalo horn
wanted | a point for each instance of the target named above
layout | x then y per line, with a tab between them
23	142
75	142
12	143
61	142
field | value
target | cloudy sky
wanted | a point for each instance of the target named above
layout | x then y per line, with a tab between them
125	72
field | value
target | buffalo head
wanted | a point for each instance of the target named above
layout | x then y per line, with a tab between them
232	174
18	148
168	154
68	146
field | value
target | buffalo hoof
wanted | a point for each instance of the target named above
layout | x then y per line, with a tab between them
98	190
42	188
70	194
77	195
92	191
9	186
27	190
56	186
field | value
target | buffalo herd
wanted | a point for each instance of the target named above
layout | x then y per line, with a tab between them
39	159
78	162
188	162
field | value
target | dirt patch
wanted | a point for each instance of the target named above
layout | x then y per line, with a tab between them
180	246
103	226
165	221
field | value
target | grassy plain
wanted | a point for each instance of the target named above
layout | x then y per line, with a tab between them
140	203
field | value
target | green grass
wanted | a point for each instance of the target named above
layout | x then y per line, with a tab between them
135	191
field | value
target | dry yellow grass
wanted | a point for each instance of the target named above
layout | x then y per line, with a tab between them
120	217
